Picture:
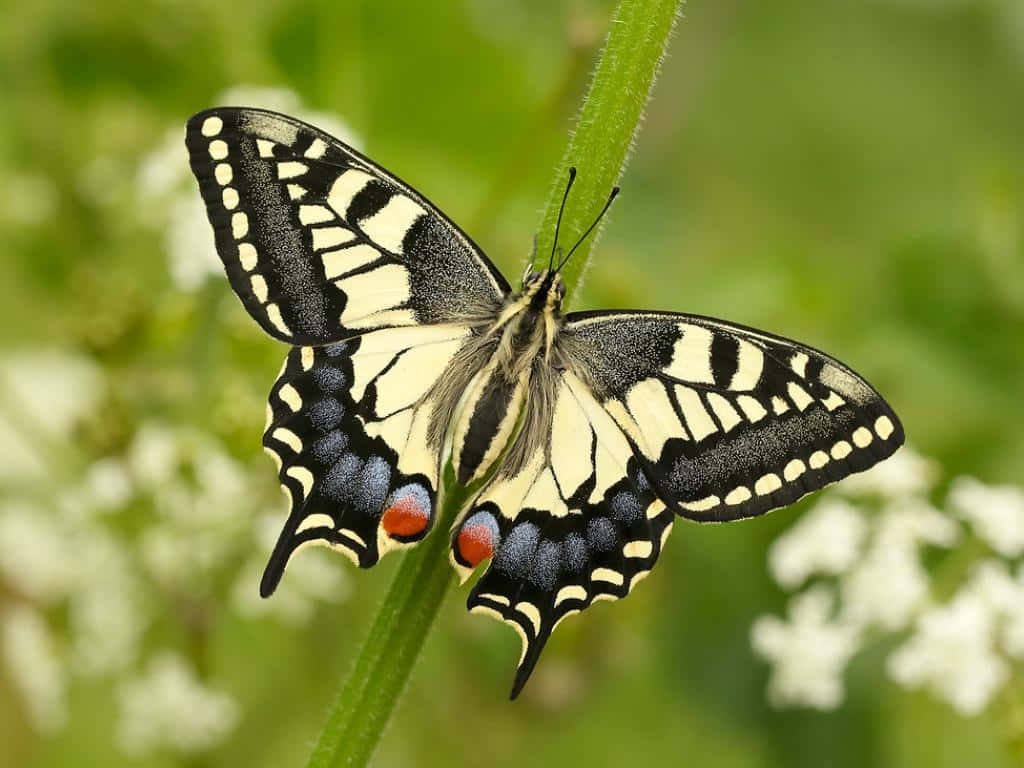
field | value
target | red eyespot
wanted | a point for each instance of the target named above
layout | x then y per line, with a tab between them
475	544
405	517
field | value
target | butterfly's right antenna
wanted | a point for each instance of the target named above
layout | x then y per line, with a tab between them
558	224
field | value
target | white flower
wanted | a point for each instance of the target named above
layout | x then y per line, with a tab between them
35	668
809	653
905	473
154	455
991	582
108	484
826	540
168	707
886	587
49	389
995	512
37	556
952	651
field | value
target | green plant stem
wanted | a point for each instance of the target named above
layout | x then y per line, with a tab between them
600	147
607	125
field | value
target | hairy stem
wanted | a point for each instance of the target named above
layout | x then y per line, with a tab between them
607	125
600	147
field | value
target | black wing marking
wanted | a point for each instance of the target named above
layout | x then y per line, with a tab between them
321	243
580	523
729	422
349	425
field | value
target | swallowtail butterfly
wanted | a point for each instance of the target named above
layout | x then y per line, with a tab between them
595	430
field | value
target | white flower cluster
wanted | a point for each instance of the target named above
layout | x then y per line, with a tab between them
90	558
167	189
859	556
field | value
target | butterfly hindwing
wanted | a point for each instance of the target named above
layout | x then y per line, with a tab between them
579	523
730	422
319	242
357	430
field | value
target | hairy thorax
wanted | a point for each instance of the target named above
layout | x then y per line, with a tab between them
520	343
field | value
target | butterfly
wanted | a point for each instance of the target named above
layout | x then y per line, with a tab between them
588	433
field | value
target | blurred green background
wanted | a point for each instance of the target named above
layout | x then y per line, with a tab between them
849	174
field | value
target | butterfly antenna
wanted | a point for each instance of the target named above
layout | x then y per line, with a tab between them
612	196
561	210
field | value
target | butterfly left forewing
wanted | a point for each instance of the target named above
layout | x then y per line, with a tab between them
319	242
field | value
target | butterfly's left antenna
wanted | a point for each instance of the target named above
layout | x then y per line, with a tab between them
558	224
615	192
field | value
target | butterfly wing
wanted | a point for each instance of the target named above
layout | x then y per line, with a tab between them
578	522
357	430
728	421
319	242
653	415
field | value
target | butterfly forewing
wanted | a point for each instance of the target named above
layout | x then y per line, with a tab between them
319	242
730	422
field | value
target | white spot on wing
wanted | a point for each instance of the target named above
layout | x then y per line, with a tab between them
862	437
304	476
290	397
833	401
314	214
211	126
737	495
328	237
841	450
289	169
608	575
751	408
638	548
345	188
239	225
793	470
691	355
247	256
572	592
230	198
798	364
767	484
884	427
818	459
316	149
698	420
265	147
289	438
343	260
724	411
749	367
389	225
218	149
316	520
274	315
223	174
799	395
259	288
701	505
370	292
529	610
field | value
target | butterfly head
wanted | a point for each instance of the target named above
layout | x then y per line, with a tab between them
544	289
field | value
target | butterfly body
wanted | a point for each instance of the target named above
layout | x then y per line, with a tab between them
586	434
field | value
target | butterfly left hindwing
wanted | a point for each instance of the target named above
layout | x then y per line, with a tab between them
357	429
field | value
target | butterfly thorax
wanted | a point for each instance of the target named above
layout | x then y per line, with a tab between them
525	328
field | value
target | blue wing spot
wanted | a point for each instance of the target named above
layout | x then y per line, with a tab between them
325	414
601	535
